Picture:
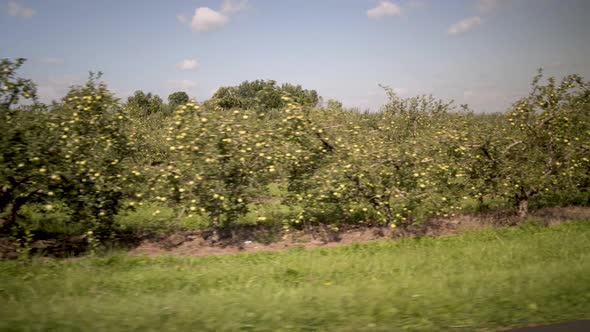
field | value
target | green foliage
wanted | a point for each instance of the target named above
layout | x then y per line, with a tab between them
177	98
216	163
142	104
384	162
72	155
262	96
94	148
308	98
27	147
13	88
540	147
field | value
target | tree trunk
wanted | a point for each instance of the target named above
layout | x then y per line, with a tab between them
482	206
18	203
523	207
4	197
388	214
10	220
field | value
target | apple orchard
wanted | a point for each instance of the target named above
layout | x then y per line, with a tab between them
262	153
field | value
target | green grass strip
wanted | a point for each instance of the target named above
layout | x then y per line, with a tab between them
485	281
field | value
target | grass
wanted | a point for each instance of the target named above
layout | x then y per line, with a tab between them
487	280
155	218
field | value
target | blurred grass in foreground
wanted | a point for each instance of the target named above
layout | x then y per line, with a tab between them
487	280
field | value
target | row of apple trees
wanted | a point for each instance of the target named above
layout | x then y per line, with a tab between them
71	155
416	158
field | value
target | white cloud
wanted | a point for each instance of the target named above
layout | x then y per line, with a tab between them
207	19
188	64
182	84
230	7
17	10
384	9
465	25
53	61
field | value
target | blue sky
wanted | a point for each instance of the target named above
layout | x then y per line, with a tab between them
480	52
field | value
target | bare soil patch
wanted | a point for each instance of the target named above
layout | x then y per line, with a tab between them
253	239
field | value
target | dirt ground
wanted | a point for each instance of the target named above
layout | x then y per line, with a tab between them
206	243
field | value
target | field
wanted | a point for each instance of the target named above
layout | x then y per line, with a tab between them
486	280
